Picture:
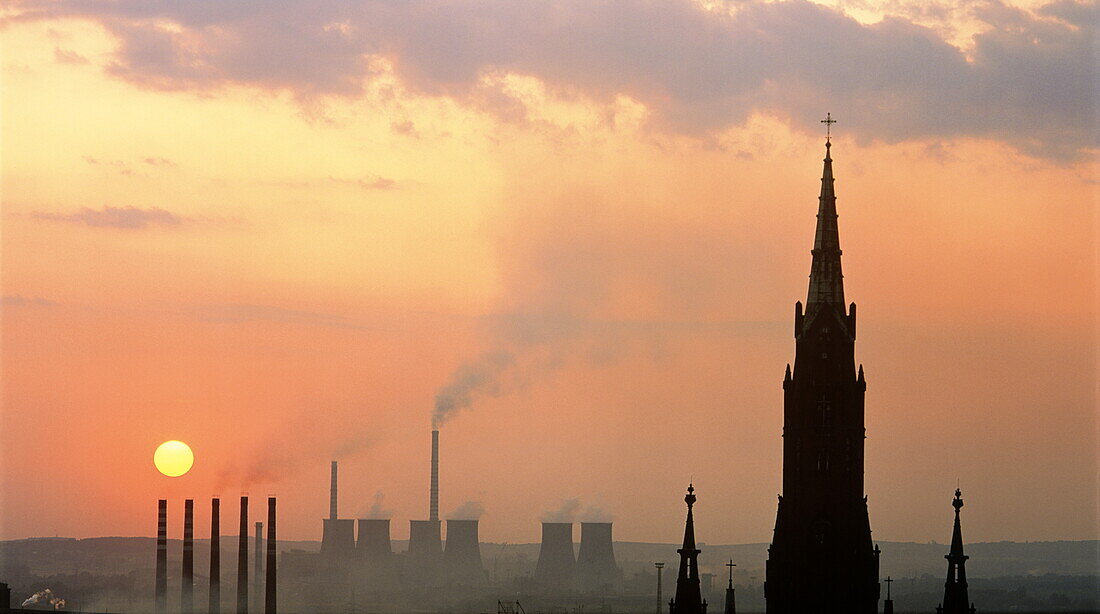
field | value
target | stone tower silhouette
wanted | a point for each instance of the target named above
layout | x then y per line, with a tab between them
821	558
689	599
956	599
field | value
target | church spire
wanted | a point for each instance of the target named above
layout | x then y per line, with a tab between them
688	598
955	595
826	279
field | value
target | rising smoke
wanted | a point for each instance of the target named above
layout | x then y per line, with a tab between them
42	597
566	512
470	510
480	378
376	510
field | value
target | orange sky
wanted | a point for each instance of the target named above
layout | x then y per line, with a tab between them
279	277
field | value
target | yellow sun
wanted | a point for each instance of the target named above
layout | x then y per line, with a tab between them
173	458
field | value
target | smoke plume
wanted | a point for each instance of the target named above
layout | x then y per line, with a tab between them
470	510
594	513
376	510
472	380
566	512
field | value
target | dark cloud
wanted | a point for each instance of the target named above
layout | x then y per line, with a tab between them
1027	80
127	218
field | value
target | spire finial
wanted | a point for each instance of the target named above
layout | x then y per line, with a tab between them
828	121
731	565
889	581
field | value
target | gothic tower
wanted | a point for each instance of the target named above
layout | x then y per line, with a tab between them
688	599
821	558
956	600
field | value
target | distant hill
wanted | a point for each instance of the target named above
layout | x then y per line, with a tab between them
44	556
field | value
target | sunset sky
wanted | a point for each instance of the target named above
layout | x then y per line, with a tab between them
275	230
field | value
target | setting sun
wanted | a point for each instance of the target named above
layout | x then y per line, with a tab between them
173	458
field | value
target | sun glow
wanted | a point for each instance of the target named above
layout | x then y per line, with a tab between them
173	458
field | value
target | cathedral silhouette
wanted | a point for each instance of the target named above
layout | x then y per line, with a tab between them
821	558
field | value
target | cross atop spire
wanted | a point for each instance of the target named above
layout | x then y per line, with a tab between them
828	121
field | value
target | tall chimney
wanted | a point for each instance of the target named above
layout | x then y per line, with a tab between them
433	504
272	577
160	604
215	602
332	494
258	563
187	589
242	559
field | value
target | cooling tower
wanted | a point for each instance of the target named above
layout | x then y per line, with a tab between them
272	577
433	495
242	560
374	538
554	570
187	588
596	569
422	562
462	556
160	603
215	598
338	537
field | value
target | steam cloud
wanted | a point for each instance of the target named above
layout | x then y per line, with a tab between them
567	512
470	510
593	513
472	380
376	510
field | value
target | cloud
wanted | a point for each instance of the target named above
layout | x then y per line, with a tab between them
18	300
157	161
127	218
240	313
65	56
374	182
1027	80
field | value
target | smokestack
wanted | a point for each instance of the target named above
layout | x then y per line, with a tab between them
258	563
332	494
242	560
215	601
556	561
433	504
338	536
462	556
596	568
272	577
160	604
187	589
